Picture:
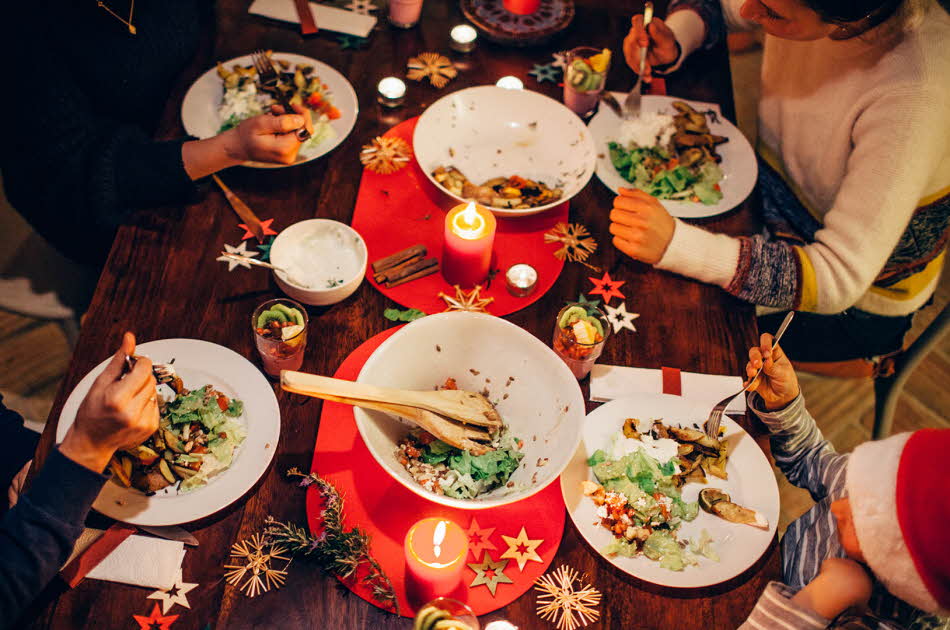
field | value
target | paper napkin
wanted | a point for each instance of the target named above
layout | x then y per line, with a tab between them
610	381
327	18
138	560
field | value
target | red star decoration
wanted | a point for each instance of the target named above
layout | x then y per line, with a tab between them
264	224
606	287
478	538
155	621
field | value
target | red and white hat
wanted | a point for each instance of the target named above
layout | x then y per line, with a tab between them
899	490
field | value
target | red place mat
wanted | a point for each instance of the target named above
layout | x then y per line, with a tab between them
404	208
386	510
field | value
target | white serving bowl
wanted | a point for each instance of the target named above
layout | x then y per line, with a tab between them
489	131
542	405
319	253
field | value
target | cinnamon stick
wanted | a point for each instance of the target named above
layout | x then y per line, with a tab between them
396	270
416	267
399	257
419	274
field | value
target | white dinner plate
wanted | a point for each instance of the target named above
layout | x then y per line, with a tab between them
739	166
198	363
751	484
199	109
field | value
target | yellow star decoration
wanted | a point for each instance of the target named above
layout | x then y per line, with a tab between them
253	559
385	155
577	243
521	549
489	573
565	600
471	301
437	68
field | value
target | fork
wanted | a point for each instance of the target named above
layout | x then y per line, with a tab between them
631	105
715	416
269	81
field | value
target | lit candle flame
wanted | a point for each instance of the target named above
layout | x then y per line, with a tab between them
468	223
437	537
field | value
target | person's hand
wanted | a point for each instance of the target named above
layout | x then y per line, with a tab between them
641	226
777	385
269	138
841	584
118	412
660	39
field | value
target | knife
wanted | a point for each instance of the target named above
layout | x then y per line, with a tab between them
307	24
247	215
171	532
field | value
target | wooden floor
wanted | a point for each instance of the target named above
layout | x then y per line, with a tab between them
34	355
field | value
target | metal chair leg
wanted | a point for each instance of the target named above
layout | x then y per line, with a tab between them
887	389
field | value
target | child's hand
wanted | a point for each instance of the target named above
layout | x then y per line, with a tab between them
777	385
840	584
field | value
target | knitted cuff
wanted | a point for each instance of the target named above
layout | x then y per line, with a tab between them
696	253
690	31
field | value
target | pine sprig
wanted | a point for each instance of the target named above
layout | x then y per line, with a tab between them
337	550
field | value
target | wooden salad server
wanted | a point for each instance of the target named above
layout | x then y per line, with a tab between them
465	407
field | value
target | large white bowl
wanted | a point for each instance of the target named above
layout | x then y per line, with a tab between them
288	245
536	395
489	131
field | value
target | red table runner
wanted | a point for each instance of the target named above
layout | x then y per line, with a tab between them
404	208
386	510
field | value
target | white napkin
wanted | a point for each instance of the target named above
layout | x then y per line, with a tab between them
327	18
610	381
138	560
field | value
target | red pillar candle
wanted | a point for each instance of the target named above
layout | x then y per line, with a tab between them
522	7
436	550
469	236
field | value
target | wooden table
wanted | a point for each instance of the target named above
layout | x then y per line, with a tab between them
161	281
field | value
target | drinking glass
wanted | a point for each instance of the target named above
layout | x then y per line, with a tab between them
580	357
457	609
583	84
278	353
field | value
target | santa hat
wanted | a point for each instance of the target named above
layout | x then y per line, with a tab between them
899	490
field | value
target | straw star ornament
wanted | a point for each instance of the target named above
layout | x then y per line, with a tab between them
433	66
471	301
565	600
576	242
252	559
385	155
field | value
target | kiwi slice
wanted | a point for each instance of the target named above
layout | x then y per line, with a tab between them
572	315
271	316
428	617
597	325
293	315
451	624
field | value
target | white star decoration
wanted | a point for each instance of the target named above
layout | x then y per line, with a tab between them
362	7
620	318
240	250
559	60
174	595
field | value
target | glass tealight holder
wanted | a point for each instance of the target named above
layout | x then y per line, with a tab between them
391	92
456	610
462	38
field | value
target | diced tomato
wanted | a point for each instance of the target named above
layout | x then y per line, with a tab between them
450	384
716	187
315	99
223	435
333	113
672	164
223	402
198	449
517	182
426	438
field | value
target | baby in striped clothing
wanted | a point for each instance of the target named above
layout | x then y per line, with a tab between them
874	552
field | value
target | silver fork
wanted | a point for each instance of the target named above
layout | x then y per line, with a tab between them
715	416
269	81
631	104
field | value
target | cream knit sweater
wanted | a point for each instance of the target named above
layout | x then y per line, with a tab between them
861	128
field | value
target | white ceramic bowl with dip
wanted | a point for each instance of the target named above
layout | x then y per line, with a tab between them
323	261
534	391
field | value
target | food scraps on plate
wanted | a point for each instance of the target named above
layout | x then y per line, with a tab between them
510	193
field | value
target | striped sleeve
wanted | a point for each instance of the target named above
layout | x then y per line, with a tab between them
775	610
802	453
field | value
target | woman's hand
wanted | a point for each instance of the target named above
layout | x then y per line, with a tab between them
777	385
270	138
120	411
660	39
641	226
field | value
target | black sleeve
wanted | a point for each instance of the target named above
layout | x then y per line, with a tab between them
18	446
38	533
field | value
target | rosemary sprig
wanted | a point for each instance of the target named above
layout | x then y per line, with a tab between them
337	550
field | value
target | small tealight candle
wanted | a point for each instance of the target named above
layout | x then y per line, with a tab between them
436	550
510	83
463	38
391	92
469	238
521	279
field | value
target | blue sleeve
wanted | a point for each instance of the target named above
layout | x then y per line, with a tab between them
38	533
801	452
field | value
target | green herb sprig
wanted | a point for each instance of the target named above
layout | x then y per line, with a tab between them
337	550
